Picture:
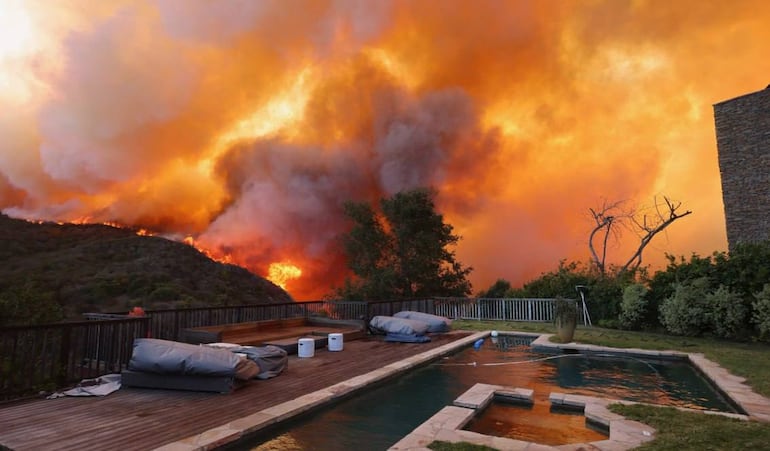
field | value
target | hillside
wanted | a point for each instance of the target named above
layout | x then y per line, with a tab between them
52	271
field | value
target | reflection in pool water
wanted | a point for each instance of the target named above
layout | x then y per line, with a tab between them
534	424
378	418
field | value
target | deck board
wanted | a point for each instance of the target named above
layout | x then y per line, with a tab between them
143	419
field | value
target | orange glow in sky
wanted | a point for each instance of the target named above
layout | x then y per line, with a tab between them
246	124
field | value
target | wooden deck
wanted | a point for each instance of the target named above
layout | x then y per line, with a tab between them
144	419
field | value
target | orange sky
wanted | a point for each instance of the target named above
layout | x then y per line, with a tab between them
246	124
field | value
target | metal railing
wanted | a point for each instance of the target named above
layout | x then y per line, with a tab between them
47	357
499	309
42	358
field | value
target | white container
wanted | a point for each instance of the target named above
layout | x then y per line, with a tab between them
335	342
306	347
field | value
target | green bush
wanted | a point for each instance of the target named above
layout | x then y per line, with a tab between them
164	293
604	297
686	311
745	269
679	270
761	315
604	291
633	307
28	302
727	311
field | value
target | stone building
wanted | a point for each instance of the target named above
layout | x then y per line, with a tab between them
743	144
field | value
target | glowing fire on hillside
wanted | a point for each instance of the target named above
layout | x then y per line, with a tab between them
281	273
247	127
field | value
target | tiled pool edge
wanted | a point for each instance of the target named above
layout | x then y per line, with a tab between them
235	430
756	406
447	424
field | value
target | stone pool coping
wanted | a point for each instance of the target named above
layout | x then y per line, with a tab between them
757	407
447	424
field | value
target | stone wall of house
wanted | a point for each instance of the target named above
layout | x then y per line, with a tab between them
743	143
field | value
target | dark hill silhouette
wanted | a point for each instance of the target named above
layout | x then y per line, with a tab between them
51	271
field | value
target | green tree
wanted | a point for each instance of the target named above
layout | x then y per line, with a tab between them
401	251
28	303
499	289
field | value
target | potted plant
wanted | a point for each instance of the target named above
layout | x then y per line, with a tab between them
565	318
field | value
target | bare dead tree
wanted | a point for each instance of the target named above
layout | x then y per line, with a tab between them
612	216
604	218
652	225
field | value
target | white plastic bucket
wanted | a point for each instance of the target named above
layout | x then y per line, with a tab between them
335	342
306	347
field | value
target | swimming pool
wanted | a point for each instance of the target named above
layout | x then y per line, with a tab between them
378	418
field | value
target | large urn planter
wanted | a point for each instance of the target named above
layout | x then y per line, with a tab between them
565	318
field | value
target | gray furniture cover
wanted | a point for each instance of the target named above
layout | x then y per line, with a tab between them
271	360
152	355
168	364
435	323
402	326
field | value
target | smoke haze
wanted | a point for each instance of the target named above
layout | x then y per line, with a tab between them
246	124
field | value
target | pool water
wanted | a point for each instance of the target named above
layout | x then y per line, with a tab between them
510	361
378	418
536	423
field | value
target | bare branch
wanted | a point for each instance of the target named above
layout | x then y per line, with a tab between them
664	220
645	226
605	220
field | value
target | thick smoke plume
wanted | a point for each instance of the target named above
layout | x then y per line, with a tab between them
246	124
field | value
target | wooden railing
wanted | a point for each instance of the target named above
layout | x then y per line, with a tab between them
43	358
48	357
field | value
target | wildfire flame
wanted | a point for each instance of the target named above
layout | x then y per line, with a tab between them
281	273
248	127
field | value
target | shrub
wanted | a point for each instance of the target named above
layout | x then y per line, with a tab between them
633	307
685	312
164	293
604	297
727	312
609	323
761	315
28	302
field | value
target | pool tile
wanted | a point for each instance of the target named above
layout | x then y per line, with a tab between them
477	397
556	398
606	445
252	423
181	445
600	414
209	439
499	443
413	442
624	434
518	394
538	447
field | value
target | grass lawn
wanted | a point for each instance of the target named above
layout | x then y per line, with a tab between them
677	430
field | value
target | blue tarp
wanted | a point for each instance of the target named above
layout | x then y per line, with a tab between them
407	338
